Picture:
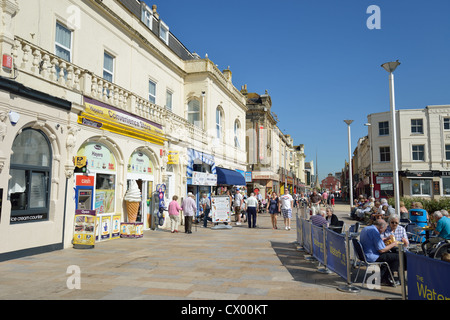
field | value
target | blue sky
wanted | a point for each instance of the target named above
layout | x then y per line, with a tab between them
319	61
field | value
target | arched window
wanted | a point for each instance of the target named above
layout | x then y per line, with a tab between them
219	123
29	186
194	112
237	133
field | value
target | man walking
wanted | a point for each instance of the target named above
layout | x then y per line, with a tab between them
252	209
189	208
237	204
205	203
314	202
285	204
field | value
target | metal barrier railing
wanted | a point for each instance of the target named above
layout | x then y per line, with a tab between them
331	249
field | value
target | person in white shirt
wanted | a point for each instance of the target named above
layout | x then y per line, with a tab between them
252	209
285	204
237	204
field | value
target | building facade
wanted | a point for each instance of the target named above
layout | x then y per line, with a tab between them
274	162
132	102
423	143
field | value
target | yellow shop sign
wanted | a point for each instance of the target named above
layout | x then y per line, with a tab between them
100	115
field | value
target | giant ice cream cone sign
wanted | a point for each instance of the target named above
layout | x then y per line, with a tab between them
133	200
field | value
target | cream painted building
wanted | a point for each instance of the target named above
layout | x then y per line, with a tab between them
423	143
108	81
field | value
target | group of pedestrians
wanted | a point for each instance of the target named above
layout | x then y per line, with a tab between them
277	205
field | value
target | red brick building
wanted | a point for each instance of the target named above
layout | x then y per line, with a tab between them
330	183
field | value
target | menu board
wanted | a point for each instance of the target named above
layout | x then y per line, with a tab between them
84	229
220	208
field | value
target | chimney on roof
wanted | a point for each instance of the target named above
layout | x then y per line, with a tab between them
227	73
156	14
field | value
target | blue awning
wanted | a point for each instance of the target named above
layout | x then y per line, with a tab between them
229	177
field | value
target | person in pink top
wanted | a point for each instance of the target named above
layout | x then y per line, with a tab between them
174	214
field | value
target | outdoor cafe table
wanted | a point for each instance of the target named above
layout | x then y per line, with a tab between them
427	230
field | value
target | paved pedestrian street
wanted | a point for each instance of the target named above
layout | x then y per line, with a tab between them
240	263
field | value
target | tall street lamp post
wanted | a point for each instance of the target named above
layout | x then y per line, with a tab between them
350	173
390	67
368	125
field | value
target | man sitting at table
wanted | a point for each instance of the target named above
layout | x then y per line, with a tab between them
376	251
319	219
442	231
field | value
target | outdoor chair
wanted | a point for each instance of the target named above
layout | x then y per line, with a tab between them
363	261
338	228
354	228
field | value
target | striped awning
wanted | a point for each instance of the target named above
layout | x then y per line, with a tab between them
194	155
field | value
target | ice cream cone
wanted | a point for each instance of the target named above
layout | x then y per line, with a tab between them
132	210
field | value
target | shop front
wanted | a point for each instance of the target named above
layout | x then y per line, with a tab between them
201	173
127	154
97	189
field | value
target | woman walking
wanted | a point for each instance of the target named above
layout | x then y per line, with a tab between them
272	207
174	214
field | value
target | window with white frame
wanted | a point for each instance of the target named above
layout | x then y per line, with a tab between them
146	17
219	122
446	123
447	152
421	187
417	126
237	132
383	128
63	42
108	67
418	152
169	98
385	154
164	32
194	112
152	91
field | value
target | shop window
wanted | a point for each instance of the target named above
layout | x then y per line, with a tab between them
29	186
446	186
104	193
420	187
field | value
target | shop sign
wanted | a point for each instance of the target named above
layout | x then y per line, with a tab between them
7	61
220	209
140	163
84	229
98	114
248	176
84	181
98	157
173	157
105	231
381	180
80	162
204	179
